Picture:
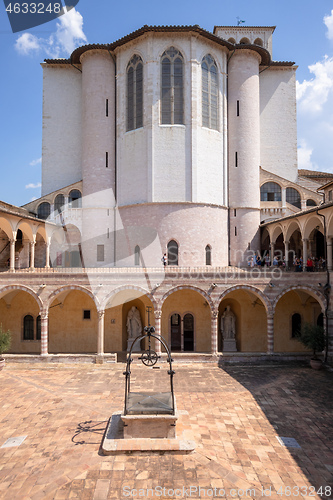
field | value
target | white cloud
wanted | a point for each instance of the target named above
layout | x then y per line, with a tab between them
27	44
304	156
328	20
68	35
313	94
35	162
33	198
33	186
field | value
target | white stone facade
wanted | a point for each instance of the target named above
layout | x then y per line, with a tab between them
186	169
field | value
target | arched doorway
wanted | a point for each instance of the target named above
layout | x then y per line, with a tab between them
182	332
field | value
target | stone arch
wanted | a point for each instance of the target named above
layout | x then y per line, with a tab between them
7	227
275	233
187	287
23	288
26	228
310	290
68	288
258	41
129	287
265	300
311	223
291	228
244	41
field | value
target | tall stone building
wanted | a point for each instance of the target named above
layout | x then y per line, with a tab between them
177	141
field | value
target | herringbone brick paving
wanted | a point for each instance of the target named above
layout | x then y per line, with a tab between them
234	414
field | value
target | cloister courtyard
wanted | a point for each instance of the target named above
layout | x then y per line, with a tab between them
234	413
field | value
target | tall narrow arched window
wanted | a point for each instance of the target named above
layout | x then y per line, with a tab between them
75	198
172	253
134	93
28	327
296	324
137	255
59	202
208	251
38	328
172	105
293	197
44	210
209	93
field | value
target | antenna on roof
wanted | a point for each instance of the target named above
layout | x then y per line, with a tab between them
239	21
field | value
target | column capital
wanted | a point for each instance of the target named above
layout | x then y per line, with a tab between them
101	313
44	314
215	314
158	314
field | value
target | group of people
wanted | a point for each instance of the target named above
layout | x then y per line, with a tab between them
312	264
258	261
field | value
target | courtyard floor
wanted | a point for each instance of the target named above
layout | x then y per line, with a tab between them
235	415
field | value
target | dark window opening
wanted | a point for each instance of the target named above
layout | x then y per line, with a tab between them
293	197
188	323
270	191
59	203
296	324
208	251
172	253
44	210
137	255
172	104
75	198
236	159
237	108
28	327
235	231
38	328
106	159
107	107
86	314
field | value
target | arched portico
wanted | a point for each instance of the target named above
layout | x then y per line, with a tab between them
117	305
18	304
72	320
253	315
295	305
187	319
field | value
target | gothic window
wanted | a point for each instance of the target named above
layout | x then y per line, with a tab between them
208	251
172	253
172	105
44	210
28	327
209	93
270	191
75	198
59	202
134	93
137	255
293	197
296	323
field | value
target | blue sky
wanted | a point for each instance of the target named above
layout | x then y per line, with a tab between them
304	34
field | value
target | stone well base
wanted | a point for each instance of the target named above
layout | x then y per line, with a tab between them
117	441
149	426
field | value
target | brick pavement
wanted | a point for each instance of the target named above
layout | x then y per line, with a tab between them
235	414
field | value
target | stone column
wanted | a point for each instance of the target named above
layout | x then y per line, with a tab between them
12	256
283	197
100	335
47	255
158	345
44	344
329	254
214	331
286	253
272	252
270	333
305	252
32	254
